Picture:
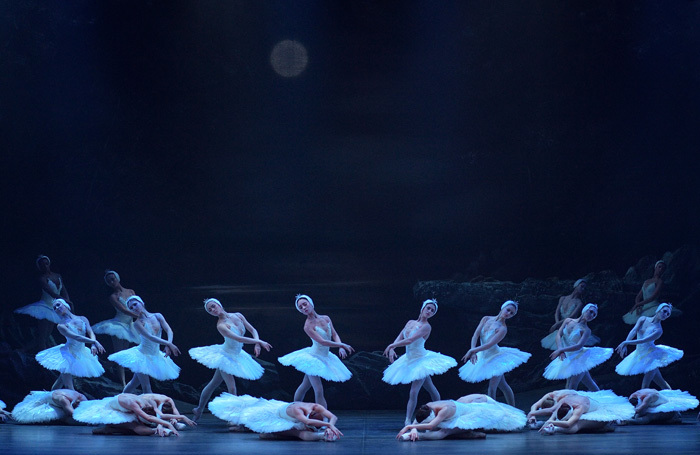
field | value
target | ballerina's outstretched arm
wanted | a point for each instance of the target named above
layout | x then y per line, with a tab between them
498	335
401	340
443	414
228	333
68	332
334	343
261	344
170	347
652	336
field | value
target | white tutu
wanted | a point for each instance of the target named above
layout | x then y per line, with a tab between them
43	309
494	361
147	358
73	358
577	362
228	407
229	358
37	407
490	416
106	411
417	363
607	407
317	360
646	357
2	405
269	416
678	401
120	326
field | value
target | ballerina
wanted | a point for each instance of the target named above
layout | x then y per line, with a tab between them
127	413
572	361
647	299
147	360
51	288
545	406
418	364
577	412
228	359
465	418
490	361
121	326
42	407
647	358
660	407
277	419
316	361
72	358
568	306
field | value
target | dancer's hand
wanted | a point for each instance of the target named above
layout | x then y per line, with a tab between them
547	429
622	349
390	353
469	356
557	353
344	350
262	343
97	348
171	350
413	435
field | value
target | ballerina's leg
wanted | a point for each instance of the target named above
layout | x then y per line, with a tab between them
119	345
588	381
207	393
431	389
145	381
304	387
572	382
317	385
413	399
659	380
507	391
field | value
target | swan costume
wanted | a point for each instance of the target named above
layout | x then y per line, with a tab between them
494	361
317	360
43	309
229	357
148	359
73	358
575	362
106	411
417	363
258	414
490	416
648	309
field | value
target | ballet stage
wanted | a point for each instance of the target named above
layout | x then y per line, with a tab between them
370	432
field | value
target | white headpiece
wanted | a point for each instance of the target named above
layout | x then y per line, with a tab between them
62	302
302	296
510	302
134	297
111	272
660	261
212	300
40	257
590	306
660	307
579	281
433	301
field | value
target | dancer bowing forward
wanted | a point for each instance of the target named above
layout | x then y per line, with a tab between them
317	361
147	359
418	364
647	358
490	361
72	358
228	359
571	360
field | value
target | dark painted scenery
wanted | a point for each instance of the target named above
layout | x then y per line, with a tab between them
371	154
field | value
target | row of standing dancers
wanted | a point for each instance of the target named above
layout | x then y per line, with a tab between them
571	360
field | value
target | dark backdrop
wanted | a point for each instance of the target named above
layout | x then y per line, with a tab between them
423	140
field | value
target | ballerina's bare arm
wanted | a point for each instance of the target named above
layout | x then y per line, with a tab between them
498	335
249	327
346	348
444	413
68	332
96	347
310	330
422	332
571	421
141	329
574	347
224	330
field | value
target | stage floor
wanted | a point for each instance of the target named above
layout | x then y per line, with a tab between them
370	432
